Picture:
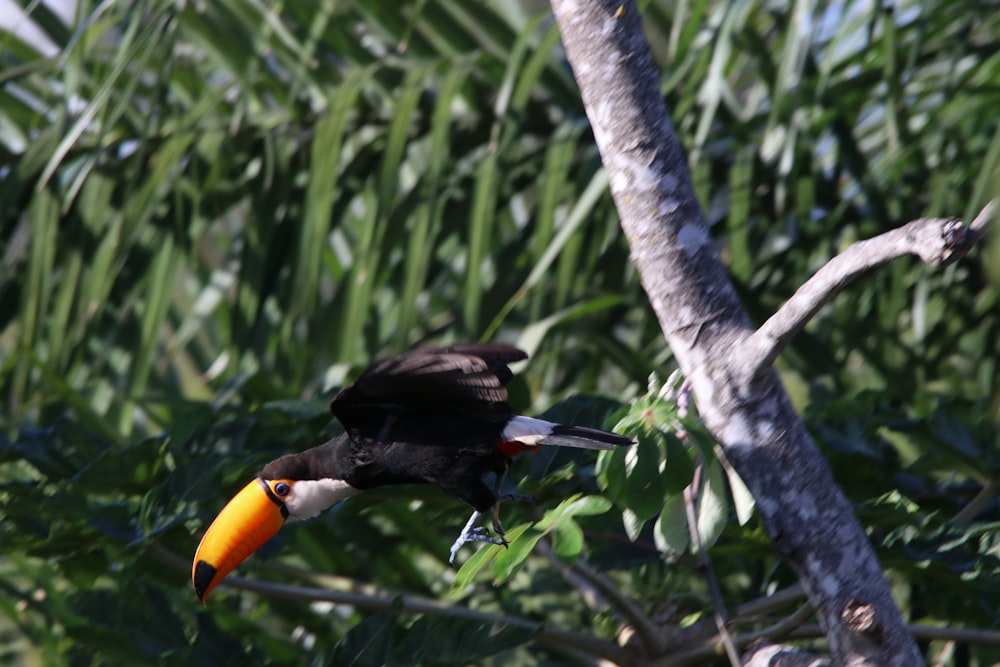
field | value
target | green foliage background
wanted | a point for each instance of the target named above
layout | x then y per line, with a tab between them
214	214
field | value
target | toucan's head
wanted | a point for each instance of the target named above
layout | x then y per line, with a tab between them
287	488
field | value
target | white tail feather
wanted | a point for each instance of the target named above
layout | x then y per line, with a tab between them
537	432
527	430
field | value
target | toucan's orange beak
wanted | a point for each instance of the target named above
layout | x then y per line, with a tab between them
250	519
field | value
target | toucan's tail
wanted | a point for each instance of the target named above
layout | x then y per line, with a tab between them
530	433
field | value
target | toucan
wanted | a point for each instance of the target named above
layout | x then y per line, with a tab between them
432	415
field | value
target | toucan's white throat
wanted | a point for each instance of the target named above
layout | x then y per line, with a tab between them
309	497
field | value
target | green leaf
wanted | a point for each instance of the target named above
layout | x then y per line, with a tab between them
137	623
595	189
480	230
326	155
644	486
610	471
454	640
742	498
532	336
576	505
712	506
632	523
370	642
471	568
567	540
212	646
509	560
679	470
301	410
671	532
649	412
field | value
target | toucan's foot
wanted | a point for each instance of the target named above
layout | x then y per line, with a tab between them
516	497
474	533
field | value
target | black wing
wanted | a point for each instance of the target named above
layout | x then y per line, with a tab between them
467	380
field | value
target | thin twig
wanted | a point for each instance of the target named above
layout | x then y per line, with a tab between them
746	613
410	604
937	241
649	634
763	605
792	628
974	506
713	647
782	628
946	654
706	564
964	635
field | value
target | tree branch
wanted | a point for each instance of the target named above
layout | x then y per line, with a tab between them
937	241
715	646
964	635
763	605
807	517
792	628
719	615
976	505
411	604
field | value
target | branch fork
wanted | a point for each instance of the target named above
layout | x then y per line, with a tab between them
729	365
937	241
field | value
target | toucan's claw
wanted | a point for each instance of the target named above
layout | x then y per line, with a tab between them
516	497
474	533
480	534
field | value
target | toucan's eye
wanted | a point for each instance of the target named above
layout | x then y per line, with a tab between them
282	489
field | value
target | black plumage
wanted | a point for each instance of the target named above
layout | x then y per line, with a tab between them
432	415
436	416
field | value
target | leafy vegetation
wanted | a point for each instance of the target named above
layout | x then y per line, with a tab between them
213	214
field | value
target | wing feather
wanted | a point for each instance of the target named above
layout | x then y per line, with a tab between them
469	379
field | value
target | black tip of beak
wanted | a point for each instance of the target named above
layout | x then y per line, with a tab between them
204	574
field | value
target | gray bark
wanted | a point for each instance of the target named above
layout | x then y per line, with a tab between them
745	406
